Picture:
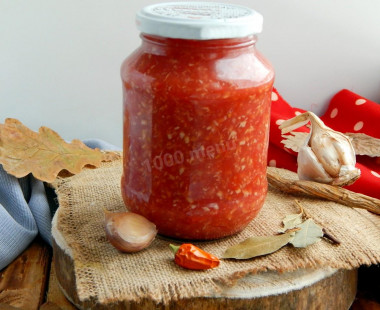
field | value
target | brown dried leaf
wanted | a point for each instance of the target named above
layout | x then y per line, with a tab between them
44	154
257	246
109	156
295	140
364	144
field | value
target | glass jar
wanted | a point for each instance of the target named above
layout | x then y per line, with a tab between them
197	99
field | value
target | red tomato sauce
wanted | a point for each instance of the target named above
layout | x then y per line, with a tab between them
196	122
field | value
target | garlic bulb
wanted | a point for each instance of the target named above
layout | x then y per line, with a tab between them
326	156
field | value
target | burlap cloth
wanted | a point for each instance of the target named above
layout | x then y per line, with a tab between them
107	275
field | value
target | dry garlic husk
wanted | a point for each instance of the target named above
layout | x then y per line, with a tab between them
129	232
326	156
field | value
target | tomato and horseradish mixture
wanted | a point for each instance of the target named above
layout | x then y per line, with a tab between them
196	122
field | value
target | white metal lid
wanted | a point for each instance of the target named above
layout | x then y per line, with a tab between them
199	20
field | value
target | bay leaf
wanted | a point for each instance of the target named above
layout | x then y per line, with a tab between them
308	234
257	246
291	221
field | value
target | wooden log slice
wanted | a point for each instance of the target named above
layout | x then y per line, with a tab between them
303	289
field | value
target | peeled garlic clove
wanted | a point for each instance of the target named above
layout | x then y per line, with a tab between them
129	232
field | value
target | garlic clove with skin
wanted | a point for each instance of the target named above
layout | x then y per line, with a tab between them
314	172
327	156
129	232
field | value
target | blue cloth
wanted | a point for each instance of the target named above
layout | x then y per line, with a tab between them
26	210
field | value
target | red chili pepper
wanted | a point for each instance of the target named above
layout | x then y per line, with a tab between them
191	257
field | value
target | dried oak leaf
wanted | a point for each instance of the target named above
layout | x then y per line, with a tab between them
44	154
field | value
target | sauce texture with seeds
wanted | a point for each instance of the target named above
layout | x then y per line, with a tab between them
196	121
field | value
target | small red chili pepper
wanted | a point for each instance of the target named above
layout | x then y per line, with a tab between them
191	257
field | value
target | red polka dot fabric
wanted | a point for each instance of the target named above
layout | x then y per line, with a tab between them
347	112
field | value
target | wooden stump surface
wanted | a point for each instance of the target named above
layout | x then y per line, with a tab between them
30	280
336	291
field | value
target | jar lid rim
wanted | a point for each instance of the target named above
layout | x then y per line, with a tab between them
199	20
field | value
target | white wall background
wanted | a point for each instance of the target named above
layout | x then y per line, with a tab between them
60	60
